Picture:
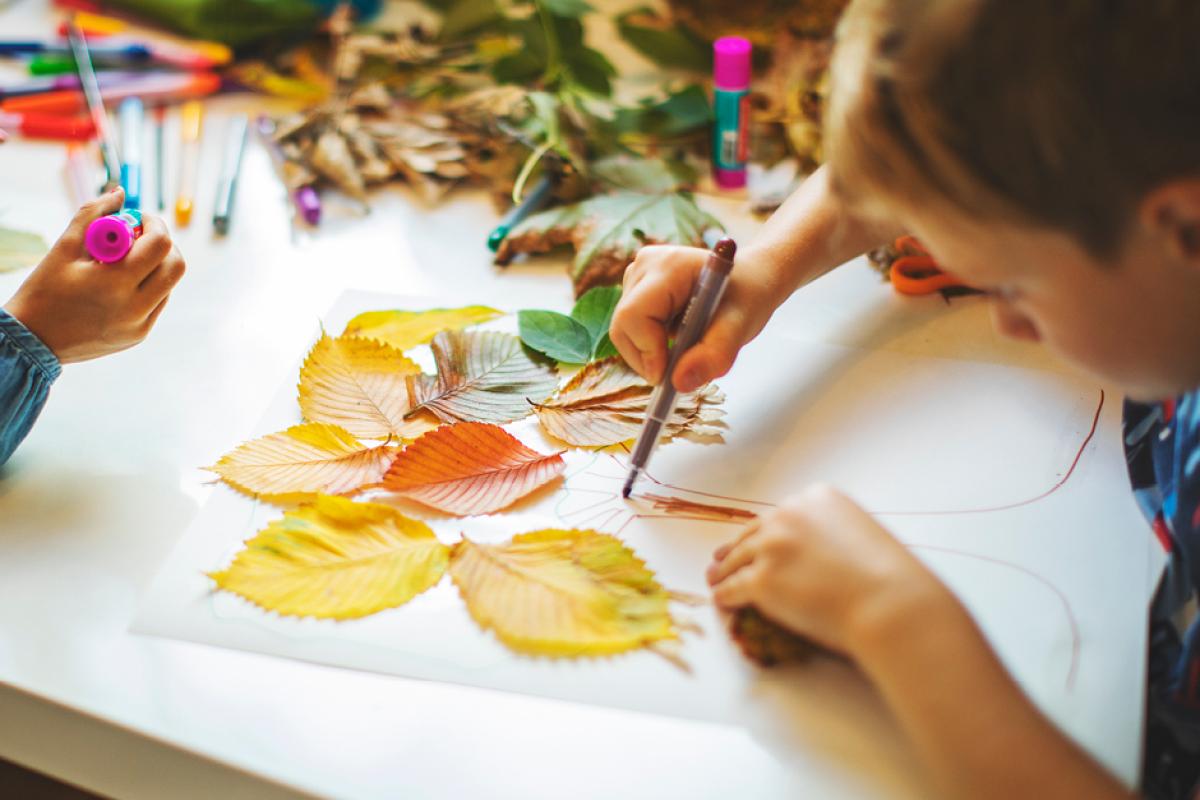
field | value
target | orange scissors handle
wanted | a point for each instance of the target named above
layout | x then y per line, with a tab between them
914	272
916	275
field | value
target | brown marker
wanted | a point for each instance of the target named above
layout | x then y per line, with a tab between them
706	296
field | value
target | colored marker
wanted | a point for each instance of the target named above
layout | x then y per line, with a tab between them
132	117
235	143
95	105
731	106
110	238
157	88
534	201
183	53
59	83
306	199
134	53
49	126
160	181
191	124
706	296
50	64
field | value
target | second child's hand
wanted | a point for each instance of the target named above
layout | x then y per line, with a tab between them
82	309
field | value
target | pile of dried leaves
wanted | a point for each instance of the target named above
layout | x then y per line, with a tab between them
498	95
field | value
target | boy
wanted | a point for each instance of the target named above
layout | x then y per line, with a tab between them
1048	153
72	308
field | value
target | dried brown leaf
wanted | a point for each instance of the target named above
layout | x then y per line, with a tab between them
605	403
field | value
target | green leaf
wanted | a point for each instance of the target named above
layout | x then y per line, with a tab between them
594	312
20	249
566	8
590	69
604	349
663	41
651	175
556	335
607	231
468	16
682	112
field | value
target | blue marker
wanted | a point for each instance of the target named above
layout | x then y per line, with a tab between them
130	114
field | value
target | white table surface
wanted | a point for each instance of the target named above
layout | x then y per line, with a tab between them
109	479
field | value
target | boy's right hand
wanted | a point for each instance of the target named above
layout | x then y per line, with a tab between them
657	287
82	309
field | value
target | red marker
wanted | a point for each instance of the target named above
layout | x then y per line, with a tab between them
160	88
48	126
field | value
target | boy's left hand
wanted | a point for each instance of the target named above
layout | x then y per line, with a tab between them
822	567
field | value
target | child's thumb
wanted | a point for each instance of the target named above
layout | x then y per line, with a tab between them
712	356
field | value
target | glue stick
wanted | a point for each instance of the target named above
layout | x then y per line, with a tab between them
731	100
109	238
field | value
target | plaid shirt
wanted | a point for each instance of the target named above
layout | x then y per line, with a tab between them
1162	444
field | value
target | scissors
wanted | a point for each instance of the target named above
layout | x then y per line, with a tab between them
914	272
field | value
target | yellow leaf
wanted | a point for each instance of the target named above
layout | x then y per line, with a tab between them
563	593
314	458
336	559
359	384
606	403
405	329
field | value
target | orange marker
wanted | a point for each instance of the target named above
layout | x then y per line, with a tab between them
189	156
159	88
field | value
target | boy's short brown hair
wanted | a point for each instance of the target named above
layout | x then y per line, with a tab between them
1059	113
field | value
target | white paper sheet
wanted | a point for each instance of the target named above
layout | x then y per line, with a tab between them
993	474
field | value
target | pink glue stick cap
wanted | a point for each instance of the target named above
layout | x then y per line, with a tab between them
108	239
731	62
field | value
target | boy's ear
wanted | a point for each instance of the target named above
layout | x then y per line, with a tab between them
1171	215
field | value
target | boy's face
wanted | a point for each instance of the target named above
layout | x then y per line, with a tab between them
1134	323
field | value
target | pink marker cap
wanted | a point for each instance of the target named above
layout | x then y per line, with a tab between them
108	239
731	62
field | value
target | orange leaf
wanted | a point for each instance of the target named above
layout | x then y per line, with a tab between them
470	468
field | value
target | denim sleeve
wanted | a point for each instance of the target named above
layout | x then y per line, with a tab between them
27	368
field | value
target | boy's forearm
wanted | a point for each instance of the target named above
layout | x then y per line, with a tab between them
810	234
973	727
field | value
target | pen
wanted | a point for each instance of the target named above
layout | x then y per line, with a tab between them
235	143
706	296
534	201
160	180
191	119
306	199
95	105
131	115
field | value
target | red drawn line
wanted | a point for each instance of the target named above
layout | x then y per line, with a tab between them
657	482
585	509
1062	598
1030	501
1061	482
